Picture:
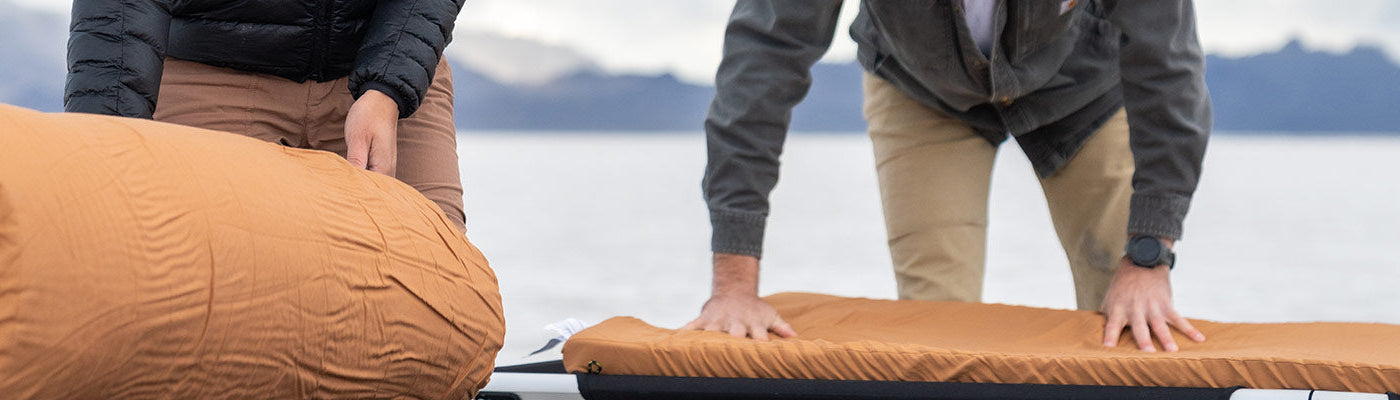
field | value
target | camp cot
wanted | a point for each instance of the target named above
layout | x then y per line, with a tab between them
850	348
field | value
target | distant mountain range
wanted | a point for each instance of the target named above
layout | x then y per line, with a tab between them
1289	90
1292	89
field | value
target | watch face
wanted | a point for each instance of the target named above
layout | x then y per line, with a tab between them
1145	250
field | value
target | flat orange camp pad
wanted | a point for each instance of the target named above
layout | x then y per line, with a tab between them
863	339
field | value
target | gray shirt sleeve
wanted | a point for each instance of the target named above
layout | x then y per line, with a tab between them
769	49
1169	115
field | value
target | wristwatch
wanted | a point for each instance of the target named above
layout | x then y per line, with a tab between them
1149	251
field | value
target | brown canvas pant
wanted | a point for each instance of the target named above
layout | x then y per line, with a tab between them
312	115
935	173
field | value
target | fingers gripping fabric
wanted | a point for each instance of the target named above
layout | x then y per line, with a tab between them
148	260
884	340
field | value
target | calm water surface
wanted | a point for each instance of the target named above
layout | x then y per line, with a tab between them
596	225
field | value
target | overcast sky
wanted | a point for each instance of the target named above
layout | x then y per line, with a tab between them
683	37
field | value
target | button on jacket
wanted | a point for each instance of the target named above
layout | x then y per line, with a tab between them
116	47
1057	71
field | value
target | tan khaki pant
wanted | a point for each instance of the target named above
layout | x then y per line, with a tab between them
312	115
935	173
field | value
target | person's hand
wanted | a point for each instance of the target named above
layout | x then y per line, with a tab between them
734	306
371	133
741	316
1140	299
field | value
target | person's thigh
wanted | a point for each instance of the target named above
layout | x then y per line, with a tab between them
934	175
427	140
428	148
1088	201
261	106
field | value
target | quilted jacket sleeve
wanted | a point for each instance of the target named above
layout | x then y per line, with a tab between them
402	48
116	50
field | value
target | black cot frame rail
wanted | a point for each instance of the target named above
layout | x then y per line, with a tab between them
627	387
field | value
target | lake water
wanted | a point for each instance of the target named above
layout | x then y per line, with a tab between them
595	225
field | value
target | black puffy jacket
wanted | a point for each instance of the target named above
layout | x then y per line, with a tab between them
117	48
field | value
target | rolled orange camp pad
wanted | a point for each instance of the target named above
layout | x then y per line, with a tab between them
885	340
148	260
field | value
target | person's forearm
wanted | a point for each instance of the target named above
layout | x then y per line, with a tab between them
402	48
1168	106
735	275
769	49
1170	242
116	51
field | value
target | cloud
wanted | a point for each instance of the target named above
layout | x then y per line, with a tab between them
636	36
514	60
1241	27
684	37
632	36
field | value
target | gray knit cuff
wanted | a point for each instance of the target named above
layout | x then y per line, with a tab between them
737	233
1159	216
